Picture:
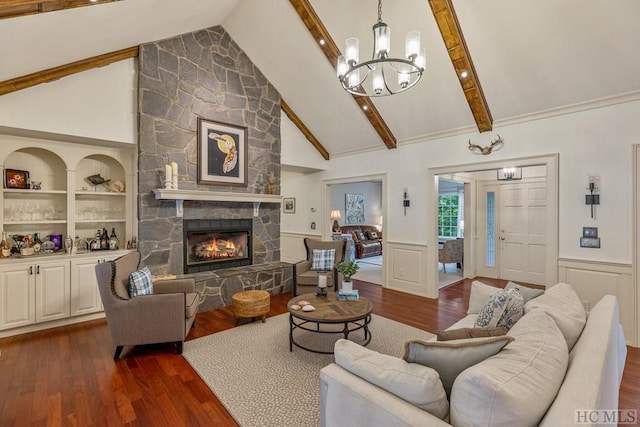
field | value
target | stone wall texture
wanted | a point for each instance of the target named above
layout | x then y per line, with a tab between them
205	75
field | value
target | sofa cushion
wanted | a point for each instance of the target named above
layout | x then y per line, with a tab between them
462	333
140	282
480	294
372	234
504	308
527	293
414	383
450	358
323	259
359	235
563	305
516	386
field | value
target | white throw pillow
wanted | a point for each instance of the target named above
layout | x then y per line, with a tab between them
516	386
480	294
449	358
414	383
563	305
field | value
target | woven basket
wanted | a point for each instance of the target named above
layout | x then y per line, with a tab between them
251	303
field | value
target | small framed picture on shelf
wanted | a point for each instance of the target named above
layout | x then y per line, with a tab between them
15	178
289	205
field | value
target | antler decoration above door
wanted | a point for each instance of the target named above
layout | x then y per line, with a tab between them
486	150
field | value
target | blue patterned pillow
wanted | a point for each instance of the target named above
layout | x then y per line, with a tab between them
504	308
140	282
323	259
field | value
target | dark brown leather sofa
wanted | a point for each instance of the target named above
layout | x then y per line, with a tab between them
366	238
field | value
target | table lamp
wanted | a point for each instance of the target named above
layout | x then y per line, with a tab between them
335	216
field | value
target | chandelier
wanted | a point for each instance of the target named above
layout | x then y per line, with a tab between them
387	76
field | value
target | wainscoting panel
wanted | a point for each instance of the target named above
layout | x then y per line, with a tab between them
407	268
292	246
592	280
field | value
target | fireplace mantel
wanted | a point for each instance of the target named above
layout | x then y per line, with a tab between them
214	196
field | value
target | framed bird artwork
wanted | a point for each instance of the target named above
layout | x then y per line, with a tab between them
222	153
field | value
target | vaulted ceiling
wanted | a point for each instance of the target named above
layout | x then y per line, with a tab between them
531	58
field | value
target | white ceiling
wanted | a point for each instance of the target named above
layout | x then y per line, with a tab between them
530	56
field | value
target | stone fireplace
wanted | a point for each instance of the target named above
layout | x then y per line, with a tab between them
205	74
217	243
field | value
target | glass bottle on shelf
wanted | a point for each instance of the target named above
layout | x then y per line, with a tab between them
95	242
104	239
113	240
37	243
5	246
76	244
68	244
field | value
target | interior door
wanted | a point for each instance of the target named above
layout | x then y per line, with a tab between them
523	232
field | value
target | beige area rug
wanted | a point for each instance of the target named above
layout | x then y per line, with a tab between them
261	383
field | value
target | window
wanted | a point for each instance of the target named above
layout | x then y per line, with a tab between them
491	230
448	209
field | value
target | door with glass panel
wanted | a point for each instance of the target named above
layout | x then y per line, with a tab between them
512	230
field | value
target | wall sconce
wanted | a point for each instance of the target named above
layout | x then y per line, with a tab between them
405	202
509	174
335	216
592	199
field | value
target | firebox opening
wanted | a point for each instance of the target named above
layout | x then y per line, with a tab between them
216	244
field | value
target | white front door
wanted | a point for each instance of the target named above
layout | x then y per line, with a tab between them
522	232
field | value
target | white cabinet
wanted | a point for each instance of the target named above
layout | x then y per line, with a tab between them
52	290
33	292
17	296
85	297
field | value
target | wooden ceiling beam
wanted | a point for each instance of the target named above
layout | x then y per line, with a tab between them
304	129
461	59
15	8
56	73
319	32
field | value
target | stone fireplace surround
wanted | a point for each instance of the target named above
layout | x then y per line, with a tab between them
206	74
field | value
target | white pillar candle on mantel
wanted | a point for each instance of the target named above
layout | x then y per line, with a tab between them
174	168
322	281
167	173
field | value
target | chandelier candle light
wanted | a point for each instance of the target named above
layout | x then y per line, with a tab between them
388	75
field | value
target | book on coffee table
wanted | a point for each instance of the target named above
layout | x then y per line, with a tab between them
349	296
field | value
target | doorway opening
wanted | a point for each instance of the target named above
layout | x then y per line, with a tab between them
361	203
476	178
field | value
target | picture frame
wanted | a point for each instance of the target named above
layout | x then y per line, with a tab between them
222	153
289	205
589	231
590	242
354	208
16	178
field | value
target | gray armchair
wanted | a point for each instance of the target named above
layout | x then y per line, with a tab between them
304	278
165	316
452	252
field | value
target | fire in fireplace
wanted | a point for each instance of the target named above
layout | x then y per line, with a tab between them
215	244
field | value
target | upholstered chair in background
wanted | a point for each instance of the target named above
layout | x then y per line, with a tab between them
452	252
305	276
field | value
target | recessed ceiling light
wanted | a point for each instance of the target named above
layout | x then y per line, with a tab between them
464	74
322	42
365	108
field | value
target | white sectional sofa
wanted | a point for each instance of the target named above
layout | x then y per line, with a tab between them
488	393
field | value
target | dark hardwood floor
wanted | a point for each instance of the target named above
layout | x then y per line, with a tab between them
67	376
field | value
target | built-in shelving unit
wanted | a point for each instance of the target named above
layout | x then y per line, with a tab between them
47	290
214	196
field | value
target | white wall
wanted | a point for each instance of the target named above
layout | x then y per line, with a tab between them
305	188
372	192
100	103
594	141
297	150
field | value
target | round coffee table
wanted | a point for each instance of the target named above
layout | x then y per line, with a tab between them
352	315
